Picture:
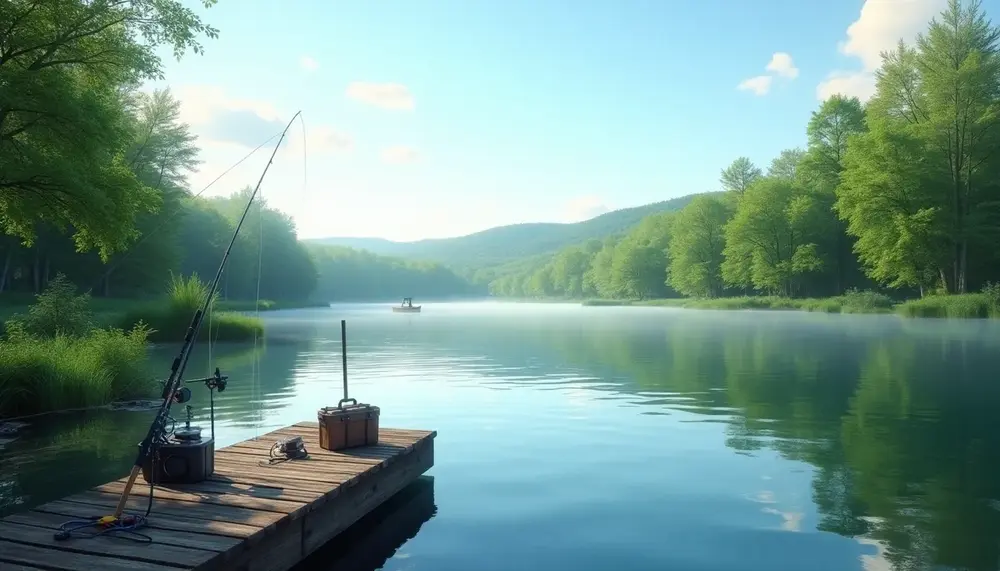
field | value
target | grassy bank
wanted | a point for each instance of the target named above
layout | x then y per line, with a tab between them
54	356
966	306
67	351
170	317
111	311
266	305
40	374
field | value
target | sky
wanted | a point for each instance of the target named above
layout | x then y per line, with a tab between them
438	118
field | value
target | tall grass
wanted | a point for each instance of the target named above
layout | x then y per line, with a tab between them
266	305
171	317
985	304
53	357
853	301
39	374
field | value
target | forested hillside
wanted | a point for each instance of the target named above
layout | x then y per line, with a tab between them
901	193
176	232
352	275
93	179
504	244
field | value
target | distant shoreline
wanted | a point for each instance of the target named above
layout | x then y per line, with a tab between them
965	306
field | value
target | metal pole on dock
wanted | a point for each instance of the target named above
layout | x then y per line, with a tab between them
343	351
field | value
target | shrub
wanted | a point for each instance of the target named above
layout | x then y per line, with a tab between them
856	301
57	311
170	319
964	306
39	374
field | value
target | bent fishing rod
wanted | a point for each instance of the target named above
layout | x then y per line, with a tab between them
172	387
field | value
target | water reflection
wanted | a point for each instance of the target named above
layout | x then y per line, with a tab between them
630	437
379	536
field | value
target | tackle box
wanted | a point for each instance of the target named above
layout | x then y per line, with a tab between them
348	425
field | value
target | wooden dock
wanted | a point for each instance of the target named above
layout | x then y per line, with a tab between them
247	517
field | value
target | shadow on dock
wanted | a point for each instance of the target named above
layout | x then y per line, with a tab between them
374	539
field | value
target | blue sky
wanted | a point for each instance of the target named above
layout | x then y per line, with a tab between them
441	118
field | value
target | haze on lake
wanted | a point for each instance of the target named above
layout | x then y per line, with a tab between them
623	437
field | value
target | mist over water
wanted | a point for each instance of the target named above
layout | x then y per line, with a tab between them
622	437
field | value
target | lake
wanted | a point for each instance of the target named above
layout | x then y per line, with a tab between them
592	438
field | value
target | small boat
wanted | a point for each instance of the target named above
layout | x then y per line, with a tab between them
406	307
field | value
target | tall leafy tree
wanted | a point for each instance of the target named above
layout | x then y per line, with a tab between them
738	176
943	95
697	247
66	67
769	241
829	130
637	270
787	164
892	206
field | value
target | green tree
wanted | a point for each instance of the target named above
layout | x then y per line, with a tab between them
942	95
568	270
600	277
768	240
697	246
739	176
890	202
66	67
829	130
638	270
786	165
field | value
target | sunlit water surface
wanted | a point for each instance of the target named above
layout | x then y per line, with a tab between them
620	438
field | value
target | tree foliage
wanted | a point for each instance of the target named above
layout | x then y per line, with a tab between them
737	177
67	69
901	193
698	247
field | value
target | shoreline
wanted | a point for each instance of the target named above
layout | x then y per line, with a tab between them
964	306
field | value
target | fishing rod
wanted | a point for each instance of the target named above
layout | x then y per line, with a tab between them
172	389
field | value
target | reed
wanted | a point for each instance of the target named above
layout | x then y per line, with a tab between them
171	316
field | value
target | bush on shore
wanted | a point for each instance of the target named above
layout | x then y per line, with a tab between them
853	301
985	304
170	318
54	358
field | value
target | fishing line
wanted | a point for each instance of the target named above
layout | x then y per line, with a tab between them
148	448
127	255
256	391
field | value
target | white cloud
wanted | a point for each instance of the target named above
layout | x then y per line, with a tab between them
393	96
584	208
852	84
323	139
879	27
309	64
400	154
217	117
781	64
759	85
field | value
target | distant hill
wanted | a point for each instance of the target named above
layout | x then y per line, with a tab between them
505	243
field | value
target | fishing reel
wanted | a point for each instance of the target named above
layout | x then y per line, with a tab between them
180	396
288	449
216	382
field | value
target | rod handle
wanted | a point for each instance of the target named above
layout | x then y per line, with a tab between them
125	493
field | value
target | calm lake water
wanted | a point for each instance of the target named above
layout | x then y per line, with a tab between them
622	438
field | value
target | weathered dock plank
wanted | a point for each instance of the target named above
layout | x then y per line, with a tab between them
251	515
